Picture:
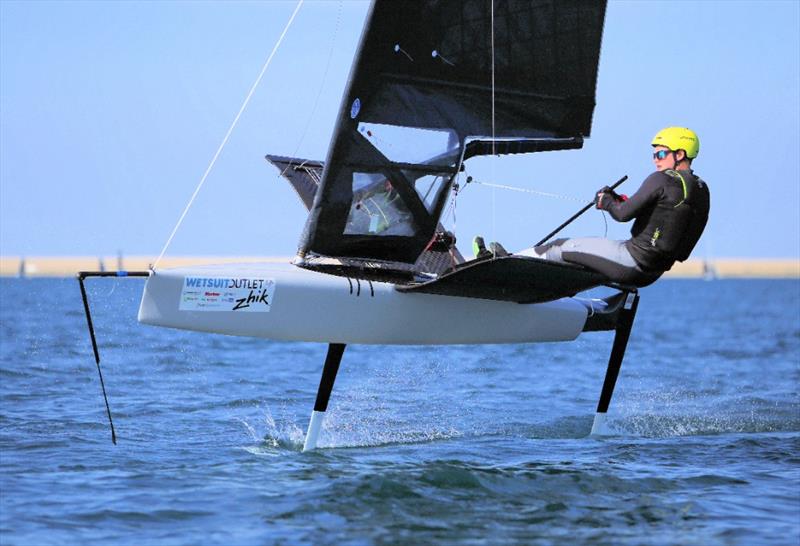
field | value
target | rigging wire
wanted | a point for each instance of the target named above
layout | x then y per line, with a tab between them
321	88
471	180
228	134
494	150
526	190
494	155
451	208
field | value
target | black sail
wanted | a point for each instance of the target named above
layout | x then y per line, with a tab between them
421	90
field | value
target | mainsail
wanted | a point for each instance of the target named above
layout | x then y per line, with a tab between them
435	82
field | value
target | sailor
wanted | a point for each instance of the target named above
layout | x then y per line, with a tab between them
670	211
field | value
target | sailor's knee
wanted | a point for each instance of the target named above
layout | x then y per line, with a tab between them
551	249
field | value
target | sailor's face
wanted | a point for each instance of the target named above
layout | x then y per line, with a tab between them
663	158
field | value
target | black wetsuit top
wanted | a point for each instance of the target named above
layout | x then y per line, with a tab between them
671	211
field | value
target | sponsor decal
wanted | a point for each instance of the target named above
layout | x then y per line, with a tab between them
242	294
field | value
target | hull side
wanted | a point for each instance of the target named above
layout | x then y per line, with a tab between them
303	305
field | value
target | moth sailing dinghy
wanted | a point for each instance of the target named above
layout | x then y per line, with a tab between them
434	83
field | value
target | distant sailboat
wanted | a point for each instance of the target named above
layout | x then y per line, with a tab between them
709	270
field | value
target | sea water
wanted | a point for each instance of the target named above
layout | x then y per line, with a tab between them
443	445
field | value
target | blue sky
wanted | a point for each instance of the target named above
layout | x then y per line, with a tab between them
110	112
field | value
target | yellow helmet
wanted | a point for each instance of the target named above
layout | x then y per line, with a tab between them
678	138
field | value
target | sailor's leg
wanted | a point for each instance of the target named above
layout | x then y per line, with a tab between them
623	332
608	249
332	360
549	251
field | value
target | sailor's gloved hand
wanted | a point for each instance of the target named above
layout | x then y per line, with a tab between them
604	194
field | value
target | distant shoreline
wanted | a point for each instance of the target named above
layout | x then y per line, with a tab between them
67	266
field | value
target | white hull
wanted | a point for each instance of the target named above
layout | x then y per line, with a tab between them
303	305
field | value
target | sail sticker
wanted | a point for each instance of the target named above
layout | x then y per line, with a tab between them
355	108
238	294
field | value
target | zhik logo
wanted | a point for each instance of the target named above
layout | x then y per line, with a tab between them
254	297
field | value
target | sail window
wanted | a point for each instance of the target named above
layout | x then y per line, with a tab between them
412	144
377	208
429	187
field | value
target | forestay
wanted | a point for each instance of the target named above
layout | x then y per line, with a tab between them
429	78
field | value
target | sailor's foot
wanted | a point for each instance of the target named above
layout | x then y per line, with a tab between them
479	248
497	250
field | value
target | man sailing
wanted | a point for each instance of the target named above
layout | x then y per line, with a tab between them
670	211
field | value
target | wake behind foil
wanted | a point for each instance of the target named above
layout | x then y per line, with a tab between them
433	85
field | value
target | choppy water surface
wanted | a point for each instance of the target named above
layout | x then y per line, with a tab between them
477	445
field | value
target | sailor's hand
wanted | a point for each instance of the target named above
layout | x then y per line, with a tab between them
598	198
606	191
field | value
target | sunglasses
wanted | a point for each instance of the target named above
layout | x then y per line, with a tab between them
661	154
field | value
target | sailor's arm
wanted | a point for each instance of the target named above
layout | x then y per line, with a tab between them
623	209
